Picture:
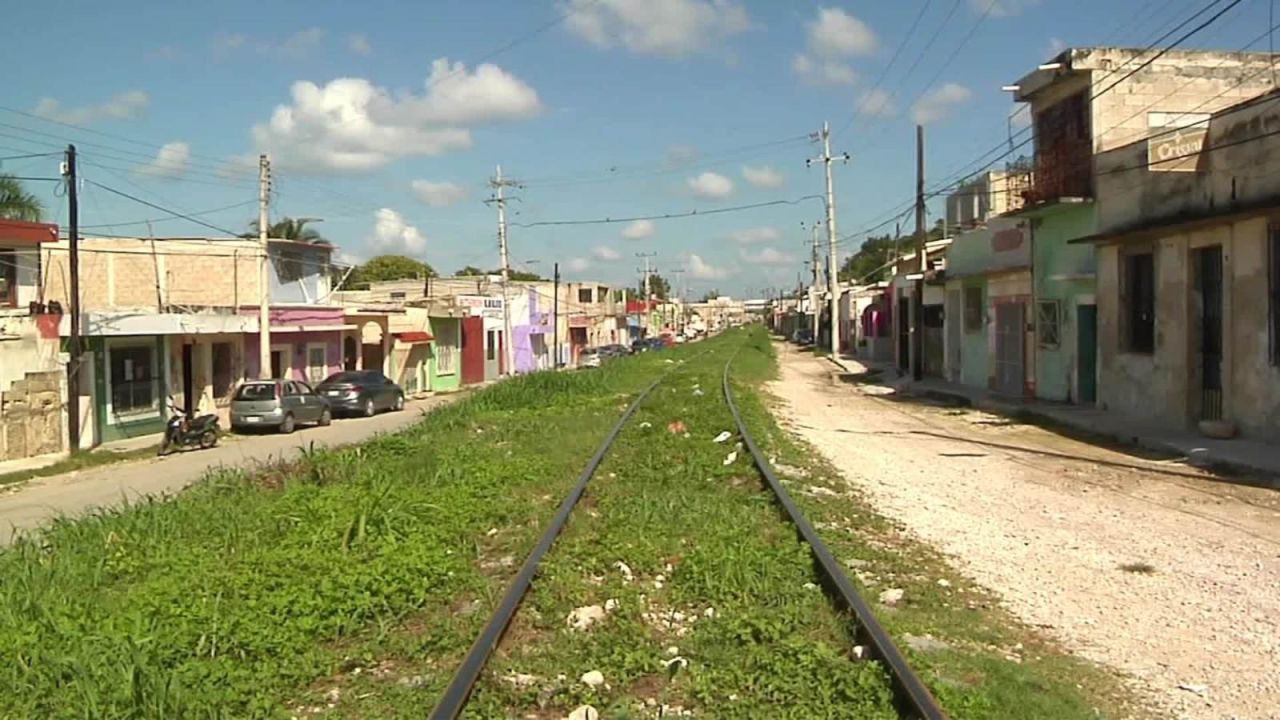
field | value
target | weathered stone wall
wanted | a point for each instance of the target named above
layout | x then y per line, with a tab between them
31	416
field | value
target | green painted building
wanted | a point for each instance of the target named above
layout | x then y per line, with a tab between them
1066	313
129	385
444	367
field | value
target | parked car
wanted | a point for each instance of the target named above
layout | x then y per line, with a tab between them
279	404
612	351
589	358
361	392
802	337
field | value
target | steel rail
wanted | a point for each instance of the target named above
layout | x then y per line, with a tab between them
455	696
912	697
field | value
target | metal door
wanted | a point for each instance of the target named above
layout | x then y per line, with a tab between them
1209	292
954	321
1087	353
472	350
1010	354
904	334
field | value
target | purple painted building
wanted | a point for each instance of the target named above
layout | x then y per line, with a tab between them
306	342
532	335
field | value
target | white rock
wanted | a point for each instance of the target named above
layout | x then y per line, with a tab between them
610	605
943	582
725	435
810	586
673	651
625	570
492	532
646	425
584	712
592	678
522	680
709	612
731	458
585	616
891	596
860	652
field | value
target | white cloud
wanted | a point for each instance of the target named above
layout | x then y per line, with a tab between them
665	28
876	103
762	177
579	264
639	230
170	161
767	256
679	155
701	270
120	106
939	103
438	194
823	72
295	46
836	33
1002	8
350	124
391	234
752	236
358	43
605	253
711	186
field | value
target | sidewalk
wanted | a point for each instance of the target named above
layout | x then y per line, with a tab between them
1237	456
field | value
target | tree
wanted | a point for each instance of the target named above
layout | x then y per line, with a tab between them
16	203
469	271
658	285
388	267
710	295
868	264
516	275
289	229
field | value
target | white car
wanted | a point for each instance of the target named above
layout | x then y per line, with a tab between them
590	358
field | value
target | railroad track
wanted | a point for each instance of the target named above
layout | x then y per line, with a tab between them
912	699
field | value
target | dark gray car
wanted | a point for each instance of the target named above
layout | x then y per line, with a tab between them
361	392
279	404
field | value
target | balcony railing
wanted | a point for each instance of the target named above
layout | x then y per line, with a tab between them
1063	170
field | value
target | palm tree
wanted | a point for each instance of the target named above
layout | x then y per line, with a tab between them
16	203
290	229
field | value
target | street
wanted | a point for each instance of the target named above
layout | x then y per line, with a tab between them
32	504
1149	567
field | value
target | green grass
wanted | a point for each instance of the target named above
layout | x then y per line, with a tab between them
232	599
82	460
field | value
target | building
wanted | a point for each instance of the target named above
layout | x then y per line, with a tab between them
1083	102
1189	272
179	317
32	374
902	281
990	194
866	322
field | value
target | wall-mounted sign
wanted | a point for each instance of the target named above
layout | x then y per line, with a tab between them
1006	240
481	305
1176	140
579	321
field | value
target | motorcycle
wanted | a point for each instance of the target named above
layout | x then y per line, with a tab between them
180	432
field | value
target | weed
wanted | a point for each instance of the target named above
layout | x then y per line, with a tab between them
1140	568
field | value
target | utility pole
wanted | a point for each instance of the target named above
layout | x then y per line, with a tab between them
73	344
648	295
555	318
264	286
497	183
813	285
680	318
922	262
832	270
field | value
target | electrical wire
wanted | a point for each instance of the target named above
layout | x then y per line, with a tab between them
28	155
915	24
170	219
667	216
161	208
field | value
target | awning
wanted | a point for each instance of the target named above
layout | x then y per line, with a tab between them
414	336
17	232
311	328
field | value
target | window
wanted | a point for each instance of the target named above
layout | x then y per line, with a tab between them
602	293
8	278
444	347
222	375
256	391
290	266
1273	261
398	295
973	309
134	379
304	389
491	344
291	389
584	295
1139	302
317	363
1048	328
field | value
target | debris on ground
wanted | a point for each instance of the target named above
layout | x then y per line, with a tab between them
731	458
584	712
810	586
943	582
724	435
925	643
676	427
521	680
625	569
646	425
584	617
891	596
1192	688
698	392
592	678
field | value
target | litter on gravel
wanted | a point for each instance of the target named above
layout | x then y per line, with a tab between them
584	617
676	427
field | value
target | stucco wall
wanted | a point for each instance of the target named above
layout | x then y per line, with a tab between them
1064	272
447	331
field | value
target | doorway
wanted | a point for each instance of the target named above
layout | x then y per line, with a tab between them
1208	265
1087	353
350	353
188	380
904	334
1010	348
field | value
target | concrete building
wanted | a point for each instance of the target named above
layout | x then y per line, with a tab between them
902	277
866	322
988	195
1083	102
1189	272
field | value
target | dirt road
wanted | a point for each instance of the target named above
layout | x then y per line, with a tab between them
1149	567
32	504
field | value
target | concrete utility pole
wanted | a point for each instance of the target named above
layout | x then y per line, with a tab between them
73	302
648	294
680	318
555	318
922	264
497	183
264	286
832	270
813	285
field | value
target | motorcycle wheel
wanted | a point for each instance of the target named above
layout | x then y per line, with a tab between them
208	439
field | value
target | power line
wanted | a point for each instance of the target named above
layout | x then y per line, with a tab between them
163	209
169	219
668	216
29	155
924	7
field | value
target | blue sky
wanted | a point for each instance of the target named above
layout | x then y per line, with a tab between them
623	108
